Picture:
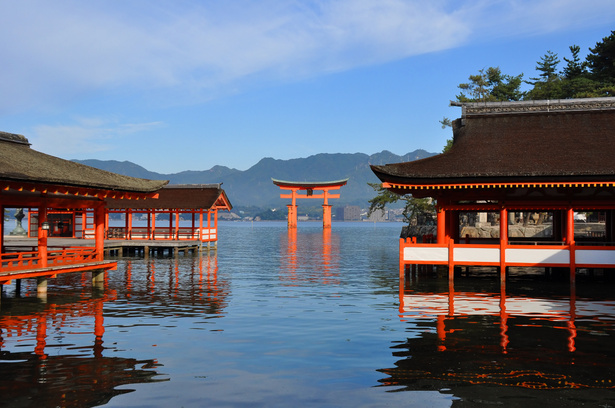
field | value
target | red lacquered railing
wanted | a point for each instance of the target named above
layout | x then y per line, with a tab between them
16	261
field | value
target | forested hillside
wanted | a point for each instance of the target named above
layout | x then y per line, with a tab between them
253	187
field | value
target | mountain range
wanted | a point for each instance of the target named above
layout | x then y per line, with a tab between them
253	187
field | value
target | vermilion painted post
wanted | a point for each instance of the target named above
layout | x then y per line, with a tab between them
326	216
129	228
402	265
201	225
177	225
503	242
571	243
441	229
451	261
42	235
208	226
99	235
2	230
326	210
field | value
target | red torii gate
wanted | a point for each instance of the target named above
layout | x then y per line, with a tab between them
309	187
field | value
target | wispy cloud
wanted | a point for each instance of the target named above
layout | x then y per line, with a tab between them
86	136
58	51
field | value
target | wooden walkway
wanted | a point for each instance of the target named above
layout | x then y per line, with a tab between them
113	247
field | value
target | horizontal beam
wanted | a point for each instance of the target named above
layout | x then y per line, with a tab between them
312	196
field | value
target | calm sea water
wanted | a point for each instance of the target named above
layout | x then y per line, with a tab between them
280	319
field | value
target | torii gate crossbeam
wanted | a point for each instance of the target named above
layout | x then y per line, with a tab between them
309	186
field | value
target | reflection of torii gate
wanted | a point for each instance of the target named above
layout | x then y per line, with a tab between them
309	187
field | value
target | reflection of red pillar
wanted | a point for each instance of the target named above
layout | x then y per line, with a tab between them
572	328
41	336
292	252
441	333
128	279
503	317
99	328
326	216
326	250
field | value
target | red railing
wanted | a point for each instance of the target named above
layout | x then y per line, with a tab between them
159	233
16	261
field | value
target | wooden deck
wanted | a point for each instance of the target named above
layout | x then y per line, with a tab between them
113	247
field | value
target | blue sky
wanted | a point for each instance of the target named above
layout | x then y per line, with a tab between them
186	85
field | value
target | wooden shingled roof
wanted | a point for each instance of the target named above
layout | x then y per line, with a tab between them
180	196
19	164
531	141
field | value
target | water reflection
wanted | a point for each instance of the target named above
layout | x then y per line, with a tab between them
313	257
526	335
77	374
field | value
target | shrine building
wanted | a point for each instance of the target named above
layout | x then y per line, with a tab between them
34	180
295	187
508	191
195	204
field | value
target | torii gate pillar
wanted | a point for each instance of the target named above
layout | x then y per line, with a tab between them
326	216
309	187
292	216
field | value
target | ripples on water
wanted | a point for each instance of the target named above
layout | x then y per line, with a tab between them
305	318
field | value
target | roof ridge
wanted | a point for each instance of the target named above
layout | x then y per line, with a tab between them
14	138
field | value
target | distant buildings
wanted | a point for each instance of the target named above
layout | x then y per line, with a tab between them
348	213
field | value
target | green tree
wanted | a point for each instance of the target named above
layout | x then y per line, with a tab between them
490	85
548	85
601	60
415	209
574	67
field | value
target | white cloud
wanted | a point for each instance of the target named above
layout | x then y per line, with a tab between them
63	50
85	137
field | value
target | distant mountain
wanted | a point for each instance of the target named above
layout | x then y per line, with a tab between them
253	187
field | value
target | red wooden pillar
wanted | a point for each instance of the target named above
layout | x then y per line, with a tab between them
201	225
177	225
441	228
99	234
208	225
2	229
42	235
129	222
106	223
326	210
503	242
292	210
326	216
571	243
192	229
